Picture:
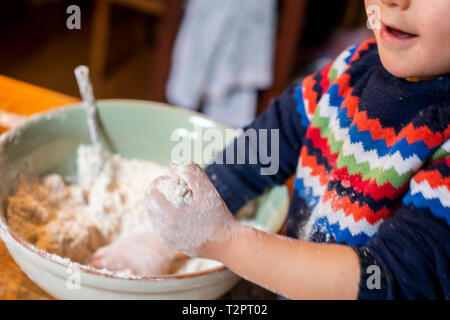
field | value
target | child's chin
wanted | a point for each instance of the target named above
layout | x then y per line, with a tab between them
399	67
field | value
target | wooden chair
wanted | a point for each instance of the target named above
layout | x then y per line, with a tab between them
291	19
102	25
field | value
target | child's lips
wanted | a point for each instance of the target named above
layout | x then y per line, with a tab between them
396	37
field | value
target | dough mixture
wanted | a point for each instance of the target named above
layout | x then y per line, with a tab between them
74	220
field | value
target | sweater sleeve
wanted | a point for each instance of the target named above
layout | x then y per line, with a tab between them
282	130
288	116
411	251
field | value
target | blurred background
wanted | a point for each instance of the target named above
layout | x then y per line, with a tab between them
174	50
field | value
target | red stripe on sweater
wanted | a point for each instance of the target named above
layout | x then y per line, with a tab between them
354	209
430	138
434	179
307	161
369	186
318	142
363	47
375	128
309	94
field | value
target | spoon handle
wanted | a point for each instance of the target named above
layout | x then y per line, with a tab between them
87	94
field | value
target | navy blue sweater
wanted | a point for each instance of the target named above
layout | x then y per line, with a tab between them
371	157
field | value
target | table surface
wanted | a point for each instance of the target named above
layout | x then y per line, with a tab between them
25	99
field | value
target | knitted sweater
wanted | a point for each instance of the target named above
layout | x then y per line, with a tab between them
371	156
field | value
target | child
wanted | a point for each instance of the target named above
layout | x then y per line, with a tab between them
368	140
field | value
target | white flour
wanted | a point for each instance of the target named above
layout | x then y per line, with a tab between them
175	190
74	220
204	215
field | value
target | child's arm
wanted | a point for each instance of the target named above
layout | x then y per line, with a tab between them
292	268
194	220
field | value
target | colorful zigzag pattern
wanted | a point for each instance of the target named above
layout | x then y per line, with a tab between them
353	173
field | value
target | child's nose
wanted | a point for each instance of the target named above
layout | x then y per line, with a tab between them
401	4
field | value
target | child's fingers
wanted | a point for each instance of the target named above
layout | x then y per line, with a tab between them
98	263
155	201
189	171
154	194
157	181
198	181
100	260
111	265
100	253
157	206
192	173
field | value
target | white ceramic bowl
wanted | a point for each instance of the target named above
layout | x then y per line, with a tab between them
47	143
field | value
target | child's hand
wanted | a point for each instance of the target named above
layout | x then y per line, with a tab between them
187	212
141	253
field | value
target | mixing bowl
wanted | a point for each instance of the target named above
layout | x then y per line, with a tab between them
136	129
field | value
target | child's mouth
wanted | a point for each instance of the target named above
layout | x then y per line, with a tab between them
400	34
396	36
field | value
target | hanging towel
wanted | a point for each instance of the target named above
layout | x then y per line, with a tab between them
222	57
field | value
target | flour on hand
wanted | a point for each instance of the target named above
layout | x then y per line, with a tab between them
175	190
186	220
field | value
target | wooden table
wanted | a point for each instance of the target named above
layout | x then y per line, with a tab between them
22	99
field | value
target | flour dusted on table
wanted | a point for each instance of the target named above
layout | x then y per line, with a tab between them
74	220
